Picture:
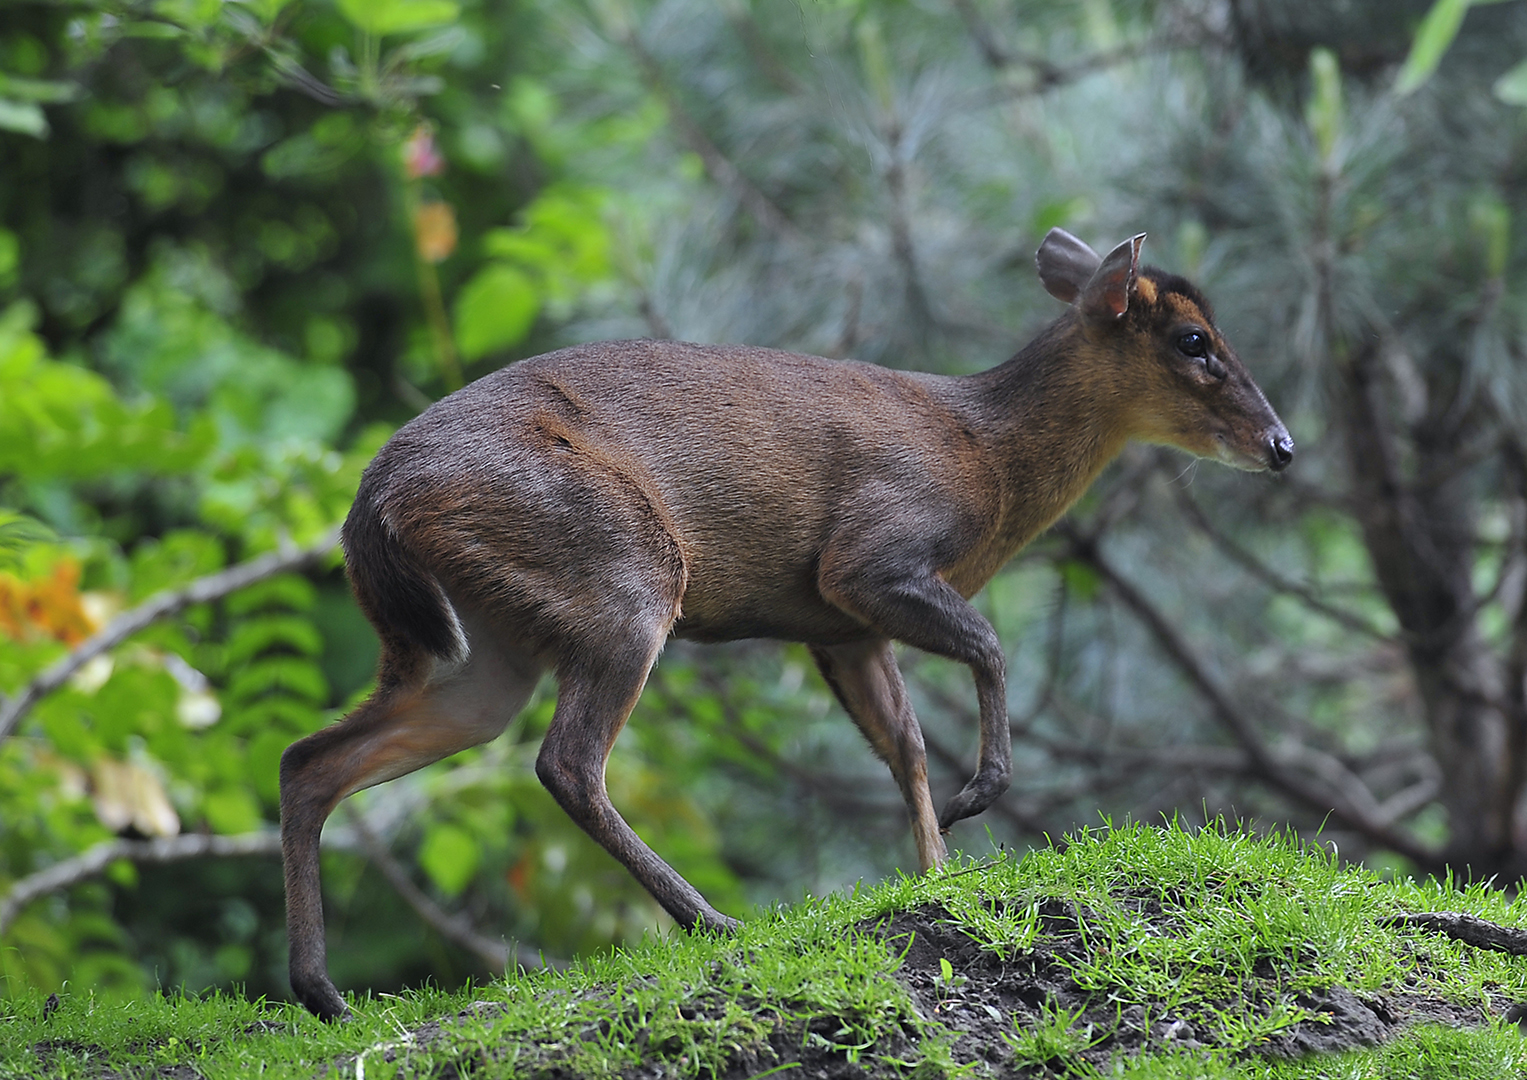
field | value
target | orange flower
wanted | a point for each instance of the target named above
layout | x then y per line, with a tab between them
434	231
519	876
50	607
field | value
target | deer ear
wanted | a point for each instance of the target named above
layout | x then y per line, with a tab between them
1065	264
1106	295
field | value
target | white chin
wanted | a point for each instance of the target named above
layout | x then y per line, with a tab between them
1237	460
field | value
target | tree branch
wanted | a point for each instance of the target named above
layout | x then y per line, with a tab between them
836	790
717	164
1515	660
1407	801
1469	929
1049	75
94	860
981	34
1422	584
1271	577
1357	812
300	79
657	326
456	927
763	54
1220	759
156	607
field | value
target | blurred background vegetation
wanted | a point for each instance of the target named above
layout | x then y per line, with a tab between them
241	241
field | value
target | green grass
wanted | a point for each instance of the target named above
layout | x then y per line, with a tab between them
1181	925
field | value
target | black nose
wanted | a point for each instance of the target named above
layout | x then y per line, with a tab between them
1282	448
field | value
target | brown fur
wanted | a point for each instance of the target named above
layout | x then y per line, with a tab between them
573	511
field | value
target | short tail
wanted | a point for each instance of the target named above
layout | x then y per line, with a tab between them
402	599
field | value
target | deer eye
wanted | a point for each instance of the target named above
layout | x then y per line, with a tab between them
1194	343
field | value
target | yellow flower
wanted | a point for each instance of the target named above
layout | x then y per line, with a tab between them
435	231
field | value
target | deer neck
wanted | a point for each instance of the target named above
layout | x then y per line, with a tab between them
1055	419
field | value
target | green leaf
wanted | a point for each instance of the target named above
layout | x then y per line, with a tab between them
59	420
283	674
398	16
196	14
264	10
875	61
1435	34
10	258
42	91
450	856
19	534
331	141
1512	86
263	755
174	559
153	31
1082	580
495	310
282	591
24	117
232	810
564	241
115	122
1060	212
256	636
1490	222
61	720
138	703
1323	111
288	717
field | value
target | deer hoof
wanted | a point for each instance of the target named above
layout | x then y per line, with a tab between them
321	999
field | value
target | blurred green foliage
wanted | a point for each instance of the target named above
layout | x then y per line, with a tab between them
241	241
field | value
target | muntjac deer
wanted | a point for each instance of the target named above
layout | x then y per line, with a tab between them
572	511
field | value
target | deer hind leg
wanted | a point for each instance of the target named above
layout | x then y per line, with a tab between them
422	713
600	682
866	680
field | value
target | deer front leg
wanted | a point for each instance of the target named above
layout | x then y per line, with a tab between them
920	608
866	680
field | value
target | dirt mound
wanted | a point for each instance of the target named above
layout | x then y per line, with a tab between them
1027	1016
991	1003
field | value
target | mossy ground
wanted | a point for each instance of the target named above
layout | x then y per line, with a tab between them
1139	952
